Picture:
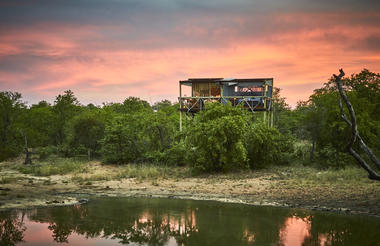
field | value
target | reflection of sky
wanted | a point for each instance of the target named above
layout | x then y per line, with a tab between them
106	50
38	234
294	231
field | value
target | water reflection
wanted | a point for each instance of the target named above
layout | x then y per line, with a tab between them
11	229
177	222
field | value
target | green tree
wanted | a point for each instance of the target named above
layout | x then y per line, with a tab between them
87	129
124	137
322	121
215	138
266	145
11	108
122	142
39	122
134	104
162	105
66	106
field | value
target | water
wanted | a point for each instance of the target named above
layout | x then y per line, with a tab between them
143	221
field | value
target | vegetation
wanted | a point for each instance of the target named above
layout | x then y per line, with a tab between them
215	139
219	139
54	166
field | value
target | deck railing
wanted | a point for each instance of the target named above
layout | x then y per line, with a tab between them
254	103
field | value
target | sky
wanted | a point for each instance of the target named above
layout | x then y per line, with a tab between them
107	50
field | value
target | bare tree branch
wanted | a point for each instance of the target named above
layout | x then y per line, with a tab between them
354	132
362	144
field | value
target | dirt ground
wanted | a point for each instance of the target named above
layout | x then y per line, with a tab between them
262	188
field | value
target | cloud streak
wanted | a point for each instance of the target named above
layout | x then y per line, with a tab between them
108	50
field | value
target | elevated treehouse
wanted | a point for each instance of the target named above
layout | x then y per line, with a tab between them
254	94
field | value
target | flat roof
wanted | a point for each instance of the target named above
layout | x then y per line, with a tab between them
208	80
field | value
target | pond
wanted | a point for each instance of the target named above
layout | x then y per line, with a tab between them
153	221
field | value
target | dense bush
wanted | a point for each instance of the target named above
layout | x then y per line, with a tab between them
86	131
330	157
175	155
266	145
122	143
220	138
215	139
141	134
45	152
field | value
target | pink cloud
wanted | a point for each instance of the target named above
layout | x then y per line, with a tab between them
100	67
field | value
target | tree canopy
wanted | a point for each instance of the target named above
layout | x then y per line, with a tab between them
220	138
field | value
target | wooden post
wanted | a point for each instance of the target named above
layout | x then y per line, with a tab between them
271	118
265	102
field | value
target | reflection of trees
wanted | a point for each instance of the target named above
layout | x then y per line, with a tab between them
60	233
137	221
11	229
155	222
335	229
158	221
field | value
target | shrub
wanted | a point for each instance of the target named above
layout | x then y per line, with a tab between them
45	152
266	145
302	151
7	152
121	143
215	139
331	157
175	155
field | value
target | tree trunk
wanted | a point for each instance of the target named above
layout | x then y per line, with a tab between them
162	142
89	154
28	155
312	150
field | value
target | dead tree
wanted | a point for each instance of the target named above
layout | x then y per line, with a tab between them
28	154
372	174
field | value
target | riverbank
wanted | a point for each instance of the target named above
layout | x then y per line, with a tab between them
348	191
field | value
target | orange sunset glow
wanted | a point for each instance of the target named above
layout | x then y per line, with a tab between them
106	51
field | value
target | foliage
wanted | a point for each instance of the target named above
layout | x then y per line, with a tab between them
121	143
329	157
66	106
266	145
11	108
39	122
175	155
215	139
218	139
87	129
140	135
323	124
46	152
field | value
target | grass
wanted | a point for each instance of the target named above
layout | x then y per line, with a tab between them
54	166
8	180
296	175
309	176
139	171
149	171
94	177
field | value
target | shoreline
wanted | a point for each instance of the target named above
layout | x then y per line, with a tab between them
278	187
74	198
